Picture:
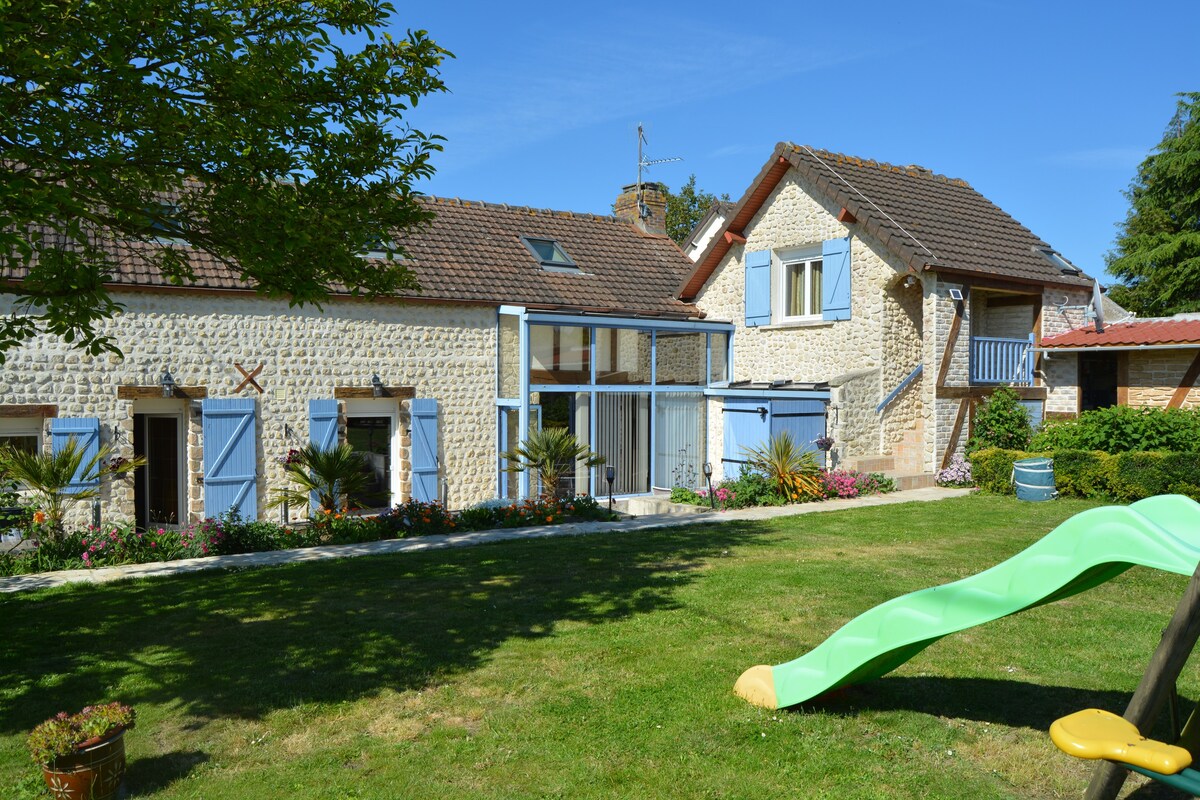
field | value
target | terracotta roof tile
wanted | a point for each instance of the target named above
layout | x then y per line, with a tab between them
472	251
1170	330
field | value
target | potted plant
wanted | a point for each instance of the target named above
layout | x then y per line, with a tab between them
82	755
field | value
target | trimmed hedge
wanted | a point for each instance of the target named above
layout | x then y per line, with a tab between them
1125	477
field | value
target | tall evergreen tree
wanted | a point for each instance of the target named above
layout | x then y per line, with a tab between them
686	207
1158	249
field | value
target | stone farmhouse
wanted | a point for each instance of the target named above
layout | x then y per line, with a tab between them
872	303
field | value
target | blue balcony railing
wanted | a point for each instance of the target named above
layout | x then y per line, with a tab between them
995	360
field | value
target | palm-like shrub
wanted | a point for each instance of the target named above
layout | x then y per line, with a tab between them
47	476
793	471
329	474
551	453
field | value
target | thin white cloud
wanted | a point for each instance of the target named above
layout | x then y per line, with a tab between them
1123	158
526	96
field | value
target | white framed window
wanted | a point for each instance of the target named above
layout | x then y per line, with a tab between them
373	430
798	285
21	433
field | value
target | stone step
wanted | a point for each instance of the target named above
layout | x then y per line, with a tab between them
872	463
921	481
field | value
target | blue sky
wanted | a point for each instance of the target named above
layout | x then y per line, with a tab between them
1046	108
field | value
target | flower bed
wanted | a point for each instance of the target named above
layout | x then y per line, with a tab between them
753	488
121	543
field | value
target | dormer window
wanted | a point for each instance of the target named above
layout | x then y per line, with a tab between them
379	247
166	223
550	254
1055	258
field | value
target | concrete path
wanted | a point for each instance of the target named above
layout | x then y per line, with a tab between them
45	580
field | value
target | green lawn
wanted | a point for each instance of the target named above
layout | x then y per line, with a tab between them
583	667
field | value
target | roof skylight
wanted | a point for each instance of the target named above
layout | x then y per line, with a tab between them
549	254
1055	258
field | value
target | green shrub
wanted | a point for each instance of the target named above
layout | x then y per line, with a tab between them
682	495
992	468
478	518
751	488
1122	429
1083	473
1001	421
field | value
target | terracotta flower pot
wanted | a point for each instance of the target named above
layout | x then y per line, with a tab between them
94	772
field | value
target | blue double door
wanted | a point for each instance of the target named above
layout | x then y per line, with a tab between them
751	422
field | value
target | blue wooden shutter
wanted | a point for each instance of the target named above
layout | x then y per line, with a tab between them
322	433
758	288
323	423
230	458
746	424
85	432
835	278
804	420
424	450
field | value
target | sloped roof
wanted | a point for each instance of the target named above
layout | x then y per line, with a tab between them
1139	332
472	252
928	221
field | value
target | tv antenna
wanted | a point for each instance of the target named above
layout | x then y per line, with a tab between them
645	163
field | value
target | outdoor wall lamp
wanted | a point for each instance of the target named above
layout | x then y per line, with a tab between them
708	477
376	385
168	384
610	475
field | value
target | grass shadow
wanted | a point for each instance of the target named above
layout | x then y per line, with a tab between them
149	774
241	644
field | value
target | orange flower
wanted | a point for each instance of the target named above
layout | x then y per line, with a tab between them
39	517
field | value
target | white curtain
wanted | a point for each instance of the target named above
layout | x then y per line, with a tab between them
679	440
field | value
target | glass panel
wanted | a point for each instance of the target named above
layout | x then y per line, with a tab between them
549	251
623	438
679	435
571	411
510	421
679	359
372	437
508	370
20	441
559	354
622	356
794	290
815	287
720	358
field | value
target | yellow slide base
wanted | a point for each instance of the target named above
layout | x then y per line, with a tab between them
1093	733
757	686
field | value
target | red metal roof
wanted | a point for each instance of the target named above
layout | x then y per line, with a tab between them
1131	334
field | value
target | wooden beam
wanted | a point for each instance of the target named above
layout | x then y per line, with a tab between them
952	443
952	339
1012	300
1185	385
731	238
1177	643
368	393
844	216
980	392
45	410
155	392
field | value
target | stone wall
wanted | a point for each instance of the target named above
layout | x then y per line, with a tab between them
444	351
1154	376
853	422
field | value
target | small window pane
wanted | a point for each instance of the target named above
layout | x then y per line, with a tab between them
720	358
508	371
26	443
815	287
559	354
371	437
794	289
680	359
549	251
622	357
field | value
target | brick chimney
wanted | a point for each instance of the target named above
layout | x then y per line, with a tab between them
650	214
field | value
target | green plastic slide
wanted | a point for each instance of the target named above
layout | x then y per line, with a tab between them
1085	551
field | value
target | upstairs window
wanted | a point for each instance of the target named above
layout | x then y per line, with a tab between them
166	223
550	254
379	247
799	286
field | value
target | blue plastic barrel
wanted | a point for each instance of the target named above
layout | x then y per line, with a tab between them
1034	479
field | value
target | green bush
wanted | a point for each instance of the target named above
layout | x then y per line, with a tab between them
1122	429
751	488
1001	421
992	468
683	495
1083	473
